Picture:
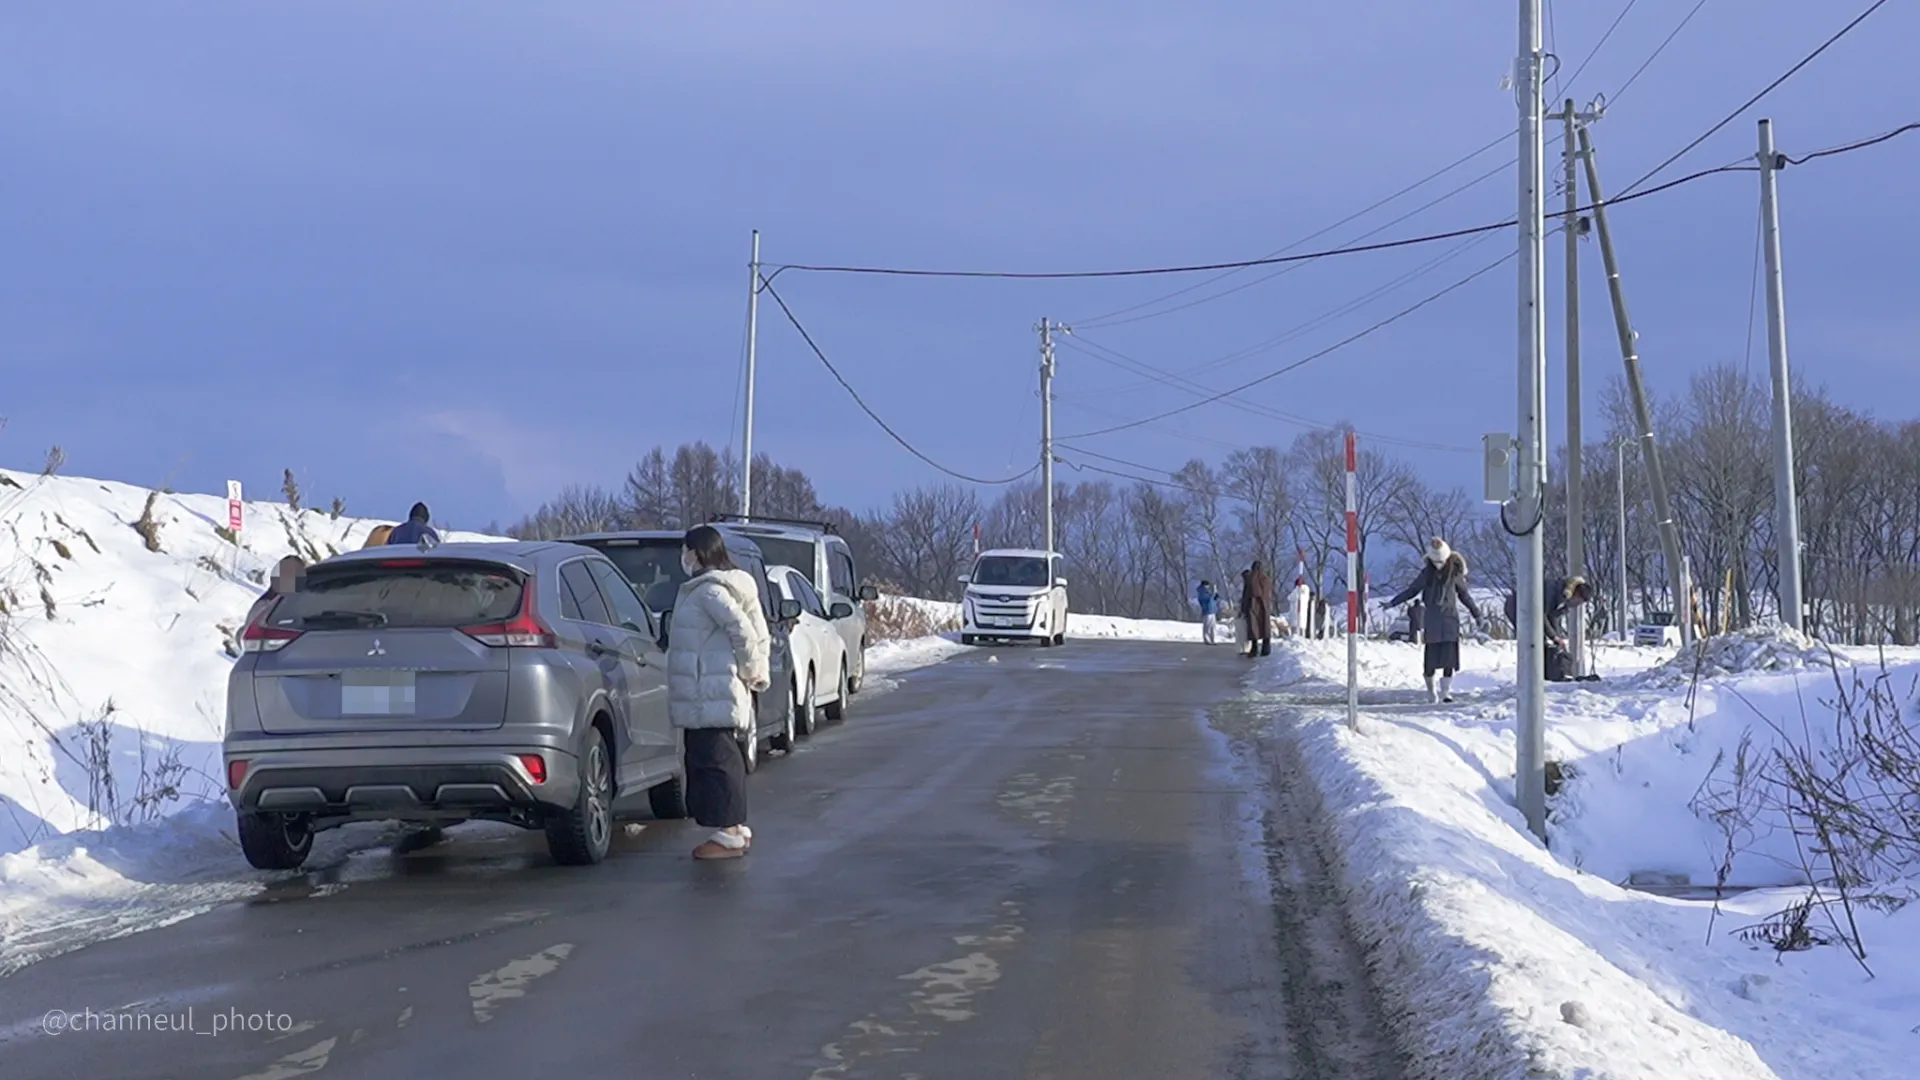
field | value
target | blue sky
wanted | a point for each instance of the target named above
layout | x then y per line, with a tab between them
472	251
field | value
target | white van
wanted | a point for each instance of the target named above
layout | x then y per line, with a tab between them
1015	594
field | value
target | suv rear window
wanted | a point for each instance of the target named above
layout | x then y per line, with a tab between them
651	566
414	595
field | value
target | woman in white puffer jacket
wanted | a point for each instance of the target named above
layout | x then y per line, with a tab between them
717	659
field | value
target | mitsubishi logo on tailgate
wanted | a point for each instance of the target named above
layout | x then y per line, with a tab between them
376	650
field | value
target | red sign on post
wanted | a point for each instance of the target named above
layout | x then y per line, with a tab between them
233	506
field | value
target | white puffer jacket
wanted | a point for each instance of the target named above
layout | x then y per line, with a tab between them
717	652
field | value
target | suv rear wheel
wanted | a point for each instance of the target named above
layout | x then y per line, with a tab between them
581	834
274	841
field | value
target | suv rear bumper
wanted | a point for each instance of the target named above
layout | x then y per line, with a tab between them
400	783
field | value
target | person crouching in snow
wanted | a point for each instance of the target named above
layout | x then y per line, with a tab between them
1566	597
717	660
1442	589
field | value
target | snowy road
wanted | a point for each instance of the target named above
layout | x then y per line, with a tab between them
1046	863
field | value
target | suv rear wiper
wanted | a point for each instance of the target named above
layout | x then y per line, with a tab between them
343	619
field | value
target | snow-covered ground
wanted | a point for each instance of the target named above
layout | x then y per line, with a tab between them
1505	956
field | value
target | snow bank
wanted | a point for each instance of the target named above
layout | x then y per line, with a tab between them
1507	960
113	672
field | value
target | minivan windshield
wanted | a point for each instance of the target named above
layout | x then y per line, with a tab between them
652	566
1011	570
401	593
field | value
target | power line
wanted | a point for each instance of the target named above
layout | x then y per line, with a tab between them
1290	268
1849	147
1119	359
1304	361
1598	45
1326	317
1642	69
874	416
1385	245
1097	320
1755	99
1164	429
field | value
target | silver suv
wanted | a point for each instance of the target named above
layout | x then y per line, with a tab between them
519	682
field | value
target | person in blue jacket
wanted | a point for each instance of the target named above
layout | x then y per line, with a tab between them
415	529
1209	600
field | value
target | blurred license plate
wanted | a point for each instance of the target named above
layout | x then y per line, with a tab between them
376	693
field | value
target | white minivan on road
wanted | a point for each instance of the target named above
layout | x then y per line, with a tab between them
1015	594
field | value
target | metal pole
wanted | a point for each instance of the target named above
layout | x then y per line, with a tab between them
1046	420
1620	475
1642	411
753	333
1786	511
1530	773
1353	588
1576	493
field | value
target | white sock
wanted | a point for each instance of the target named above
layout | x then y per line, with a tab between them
1430	694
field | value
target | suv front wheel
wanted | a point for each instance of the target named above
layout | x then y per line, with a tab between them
274	841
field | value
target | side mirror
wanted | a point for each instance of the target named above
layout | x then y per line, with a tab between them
869	594
966	579
842	610
666	622
1060	581
789	610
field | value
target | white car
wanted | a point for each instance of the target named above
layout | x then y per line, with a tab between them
1015	594
1661	630
825	559
820	661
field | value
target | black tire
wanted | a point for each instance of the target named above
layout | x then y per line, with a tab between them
969	639
856	682
837	708
581	834
795	727
1047	642
806	720
668	801
274	841
750	751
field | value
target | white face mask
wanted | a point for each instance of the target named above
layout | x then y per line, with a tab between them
688	563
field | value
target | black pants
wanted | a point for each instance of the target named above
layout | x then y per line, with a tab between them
716	778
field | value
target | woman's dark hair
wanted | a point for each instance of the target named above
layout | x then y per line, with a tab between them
709	548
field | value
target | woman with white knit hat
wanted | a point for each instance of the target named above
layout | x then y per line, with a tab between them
1442	589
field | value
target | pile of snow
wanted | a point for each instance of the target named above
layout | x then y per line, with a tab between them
1761	648
1505	958
909	618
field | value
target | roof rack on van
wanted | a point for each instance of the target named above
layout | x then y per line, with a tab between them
757	519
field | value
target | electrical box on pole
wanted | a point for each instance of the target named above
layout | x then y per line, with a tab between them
1497	452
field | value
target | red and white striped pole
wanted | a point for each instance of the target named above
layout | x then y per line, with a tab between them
1353	587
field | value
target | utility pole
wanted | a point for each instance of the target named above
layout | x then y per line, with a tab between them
1642	412
1786	511
1620	475
1576	489
1530	773
1047	329
753	333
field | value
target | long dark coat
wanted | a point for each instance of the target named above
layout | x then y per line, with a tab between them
1442	591
1256	592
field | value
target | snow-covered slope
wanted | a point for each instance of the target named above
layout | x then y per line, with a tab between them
116	642
1513	959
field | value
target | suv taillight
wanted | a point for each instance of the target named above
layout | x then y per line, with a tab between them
523	631
258	637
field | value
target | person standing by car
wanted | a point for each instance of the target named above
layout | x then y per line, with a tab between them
415	529
717	659
1208	598
1256	605
1442	589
